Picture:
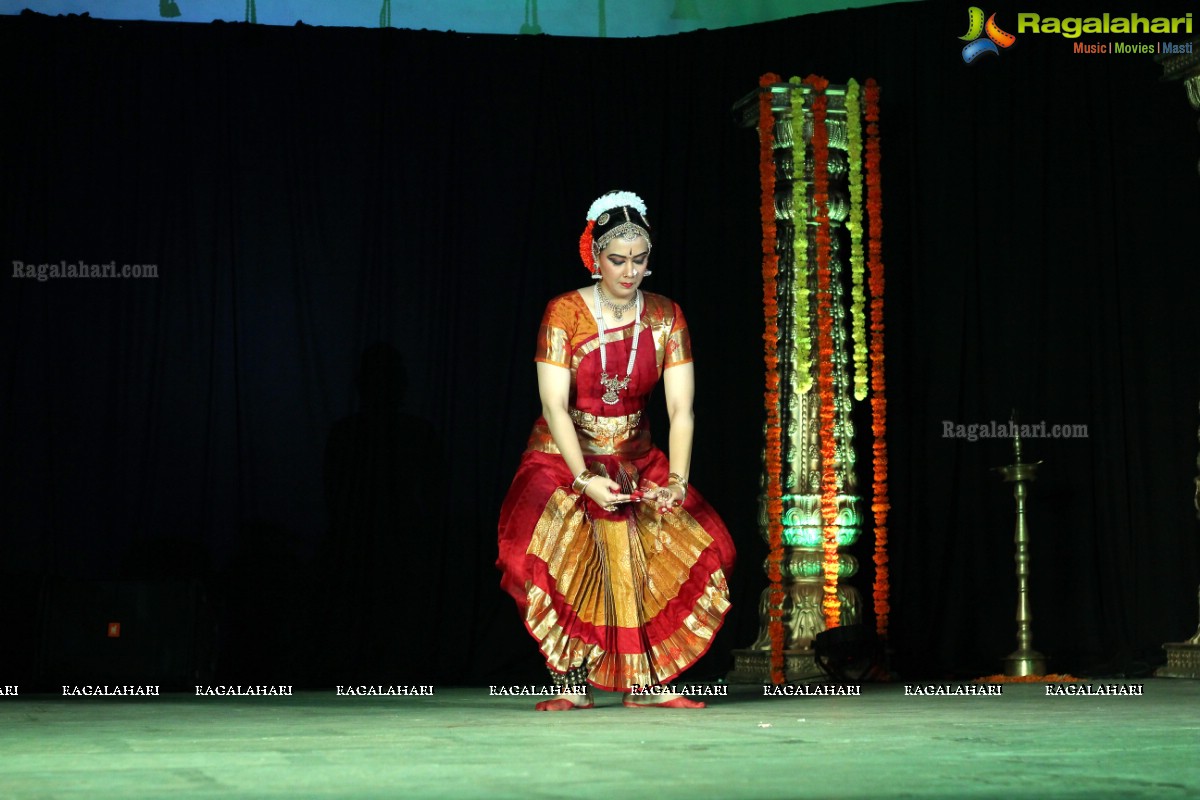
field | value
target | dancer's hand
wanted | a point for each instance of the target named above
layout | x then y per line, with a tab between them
665	498
606	493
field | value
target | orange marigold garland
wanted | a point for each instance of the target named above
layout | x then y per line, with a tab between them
825	389
774	435
879	502
1054	677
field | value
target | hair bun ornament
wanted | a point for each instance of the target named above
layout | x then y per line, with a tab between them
612	200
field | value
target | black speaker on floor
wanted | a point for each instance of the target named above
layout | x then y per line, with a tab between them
850	654
126	632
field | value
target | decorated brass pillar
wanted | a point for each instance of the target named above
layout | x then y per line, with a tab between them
813	179
1182	63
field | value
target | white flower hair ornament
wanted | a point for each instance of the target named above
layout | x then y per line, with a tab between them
614	199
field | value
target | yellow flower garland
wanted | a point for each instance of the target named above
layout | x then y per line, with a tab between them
858	297
801	269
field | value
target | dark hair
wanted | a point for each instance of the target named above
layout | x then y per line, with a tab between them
611	222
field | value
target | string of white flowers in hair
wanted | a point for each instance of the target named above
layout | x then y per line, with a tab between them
615	200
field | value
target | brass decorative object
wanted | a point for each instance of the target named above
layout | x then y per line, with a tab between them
1024	660
1183	659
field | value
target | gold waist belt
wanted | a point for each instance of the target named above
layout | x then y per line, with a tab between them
605	426
598	435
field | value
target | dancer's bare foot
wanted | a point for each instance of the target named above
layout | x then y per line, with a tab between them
567	701
664	699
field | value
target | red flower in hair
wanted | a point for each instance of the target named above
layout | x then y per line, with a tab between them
585	247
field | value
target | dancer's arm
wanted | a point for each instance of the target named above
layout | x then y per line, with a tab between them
679	386
554	388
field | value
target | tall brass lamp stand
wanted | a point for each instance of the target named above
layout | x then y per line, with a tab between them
1024	660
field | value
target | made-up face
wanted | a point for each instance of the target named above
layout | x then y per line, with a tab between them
623	264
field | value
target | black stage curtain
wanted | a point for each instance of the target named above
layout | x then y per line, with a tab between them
316	407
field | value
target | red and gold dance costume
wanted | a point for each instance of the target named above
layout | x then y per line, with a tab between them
628	597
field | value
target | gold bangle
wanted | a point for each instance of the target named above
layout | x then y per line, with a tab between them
675	479
581	481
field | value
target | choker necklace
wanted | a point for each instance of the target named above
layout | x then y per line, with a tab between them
611	305
615	384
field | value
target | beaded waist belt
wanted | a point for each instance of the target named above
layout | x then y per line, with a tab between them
622	436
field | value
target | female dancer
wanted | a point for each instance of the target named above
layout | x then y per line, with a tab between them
617	564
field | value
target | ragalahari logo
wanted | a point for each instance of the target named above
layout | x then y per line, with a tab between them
977	45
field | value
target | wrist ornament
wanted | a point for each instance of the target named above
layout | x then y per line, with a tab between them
675	479
582	480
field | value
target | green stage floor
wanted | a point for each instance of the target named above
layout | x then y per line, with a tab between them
462	743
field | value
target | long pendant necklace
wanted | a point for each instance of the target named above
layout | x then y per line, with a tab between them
615	384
